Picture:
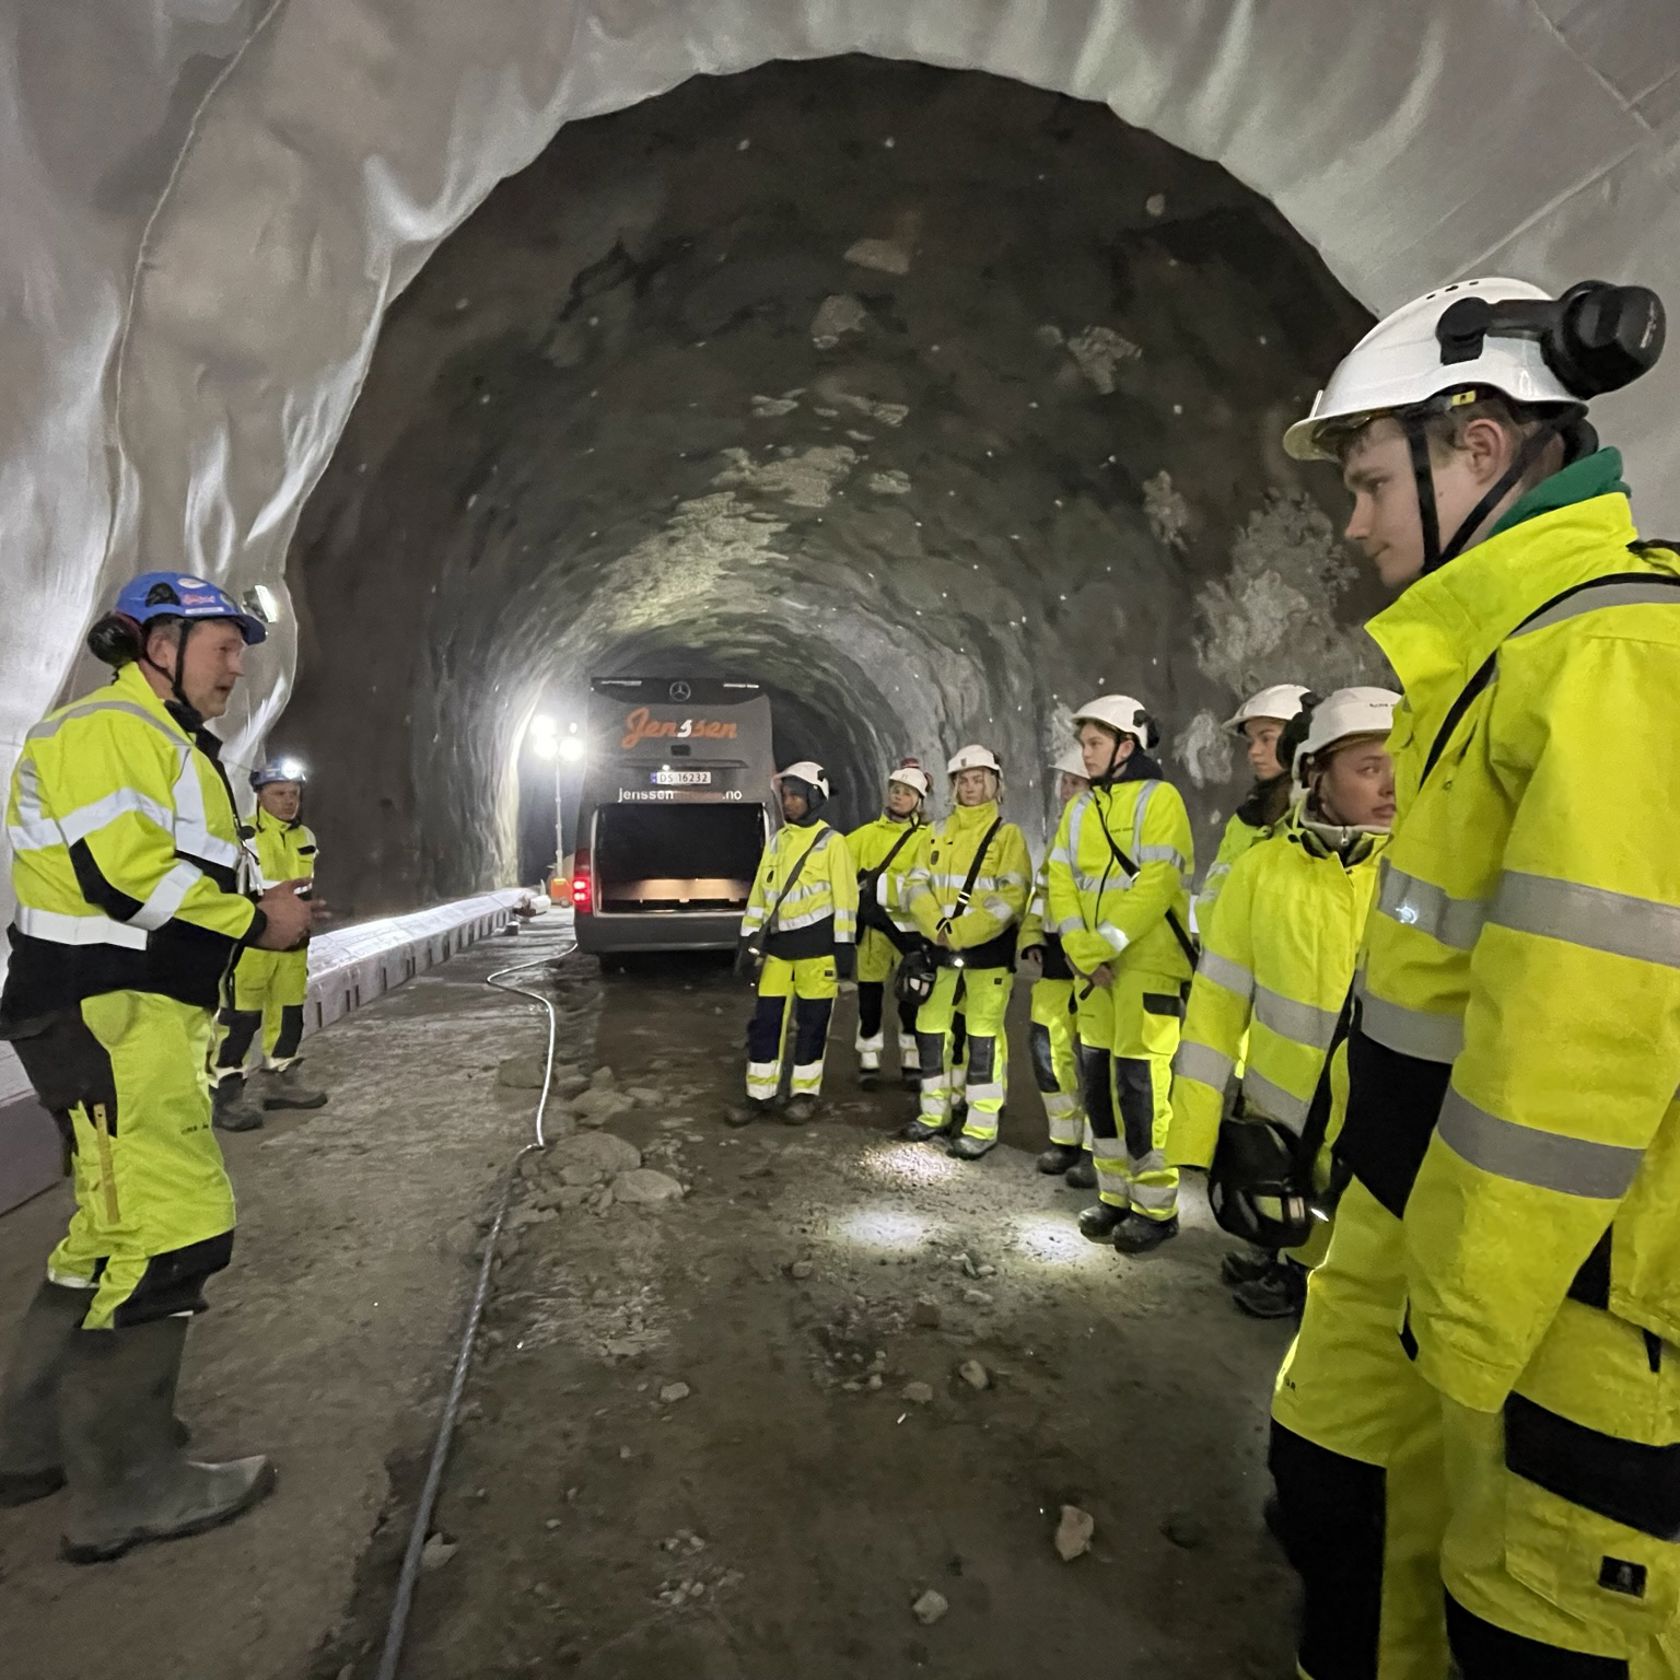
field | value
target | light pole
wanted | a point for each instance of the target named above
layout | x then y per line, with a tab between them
548	743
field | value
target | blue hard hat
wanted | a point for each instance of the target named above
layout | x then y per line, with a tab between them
181	595
278	770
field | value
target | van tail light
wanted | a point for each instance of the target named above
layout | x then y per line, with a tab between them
583	886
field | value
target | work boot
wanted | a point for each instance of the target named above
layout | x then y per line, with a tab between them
30	1466
744	1113
129	1482
1058	1158
868	1078
234	1108
284	1088
967	1148
1082	1175
1140	1236
1244	1266
800	1111
919	1131
1279	1293
1100	1222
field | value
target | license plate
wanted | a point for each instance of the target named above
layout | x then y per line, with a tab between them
682	778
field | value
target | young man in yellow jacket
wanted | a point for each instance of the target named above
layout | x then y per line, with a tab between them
269	988
1485	1392
1119	898
1259	723
884	851
133	901
1275	973
967	896
799	937
1055	1047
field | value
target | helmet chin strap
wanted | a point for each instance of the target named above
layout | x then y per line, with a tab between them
1570	425
192	716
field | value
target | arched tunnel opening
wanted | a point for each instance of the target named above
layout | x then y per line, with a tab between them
931	401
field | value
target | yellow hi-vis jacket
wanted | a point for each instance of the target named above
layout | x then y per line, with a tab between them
870	847
126	857
820	912
1275	969
286	851
981	933
1239	837
1102	914
1517	1043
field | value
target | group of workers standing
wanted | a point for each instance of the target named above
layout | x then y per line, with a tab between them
1428	1045
1427	1048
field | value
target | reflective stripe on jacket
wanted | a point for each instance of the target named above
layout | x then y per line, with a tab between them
1276	966
1099	912
1001	887
285	851
126	857
1518	1044
825	891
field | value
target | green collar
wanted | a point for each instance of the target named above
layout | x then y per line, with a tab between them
1598	474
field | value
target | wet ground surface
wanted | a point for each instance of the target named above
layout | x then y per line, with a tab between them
739	1433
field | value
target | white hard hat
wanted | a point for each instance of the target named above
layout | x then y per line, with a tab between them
1071	763
1345	713
806	770
1120	712
912	776
1398	364
1281	701
974	757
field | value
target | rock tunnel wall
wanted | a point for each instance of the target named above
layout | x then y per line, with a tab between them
931	401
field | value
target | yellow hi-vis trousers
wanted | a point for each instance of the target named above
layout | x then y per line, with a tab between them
982	995
1128	1035
269	988
804	990
1055	1061
126	1076
1553	1525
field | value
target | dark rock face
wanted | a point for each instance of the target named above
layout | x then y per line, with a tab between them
931	401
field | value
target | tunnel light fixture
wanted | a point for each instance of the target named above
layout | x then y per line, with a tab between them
571	749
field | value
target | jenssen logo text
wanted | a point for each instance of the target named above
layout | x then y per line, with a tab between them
641	725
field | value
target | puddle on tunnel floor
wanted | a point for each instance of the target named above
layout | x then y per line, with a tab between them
732	1435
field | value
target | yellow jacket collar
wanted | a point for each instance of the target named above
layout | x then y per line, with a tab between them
130	682
966	817
1446	624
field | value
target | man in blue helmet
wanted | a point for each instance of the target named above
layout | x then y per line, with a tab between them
134	899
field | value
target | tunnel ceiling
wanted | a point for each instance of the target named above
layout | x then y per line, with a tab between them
929	400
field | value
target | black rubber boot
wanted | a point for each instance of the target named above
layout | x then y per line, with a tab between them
1099	1223
284	1088
800	1111
1245	1265
1058	1158
30	1465
744	1113
919	1131
234	1109
1280	1293
1142	1236
1082	1175
129	1482
869	1079
966	1148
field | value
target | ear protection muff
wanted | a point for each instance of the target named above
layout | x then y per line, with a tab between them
1596	338
1151	731
116	640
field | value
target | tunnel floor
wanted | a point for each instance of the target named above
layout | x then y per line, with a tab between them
675	1455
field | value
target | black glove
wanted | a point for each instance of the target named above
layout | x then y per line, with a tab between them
746	961
845	962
